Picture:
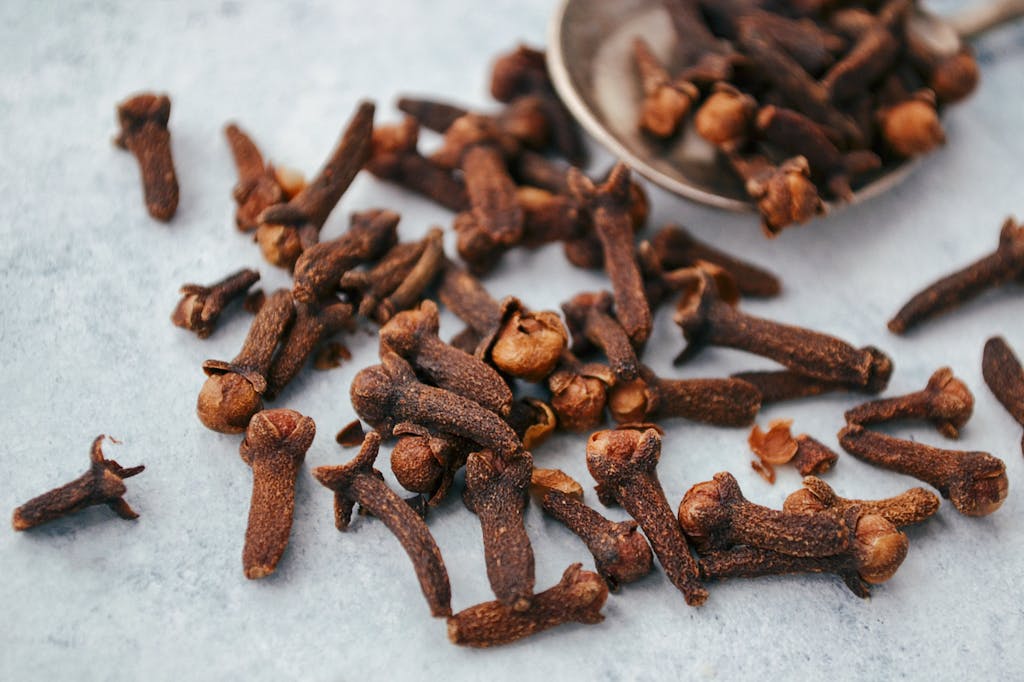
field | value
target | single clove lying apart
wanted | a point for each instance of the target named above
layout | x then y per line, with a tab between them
1004	265
201	306
906	509
143	119
720	402
233	390
621	554
975	482
496	491
777	446
275	446
103	483
876	550
259	185
714	515
286	230
946	402
520	343
358	482
578	598
1005	377
707	316
623	463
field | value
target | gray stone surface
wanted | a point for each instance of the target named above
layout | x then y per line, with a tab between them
89	281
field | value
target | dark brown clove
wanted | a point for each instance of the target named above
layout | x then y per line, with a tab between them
946	402
496	491
975	482
721	402
868	59
579	392
286	230
784	194
143	119
623	463
232	392
578	597
911	127
666	101
382	303
778	386
313	323
275	445
714	515
676	248
621	554
876	552
426	462
707	317
1005	377
608	206
201	306
1004	265
388	394
259	185
590	320
358	482
913	506
103	483
413	335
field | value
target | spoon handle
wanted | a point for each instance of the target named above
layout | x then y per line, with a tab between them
984	16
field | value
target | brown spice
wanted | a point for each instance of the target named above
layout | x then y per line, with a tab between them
201	306
946	402
975	482
143	119
496	492
666	102
426	462
911	127
784	193
351	435
714	515
578	597
258	186
720	402
778	446
544	481
726	117
778	386
286	230
591	321
275	445
1004	265
1005	377
905	509
358	482
876	552
313	323
623	463
621	554
103	483
232	393
579	392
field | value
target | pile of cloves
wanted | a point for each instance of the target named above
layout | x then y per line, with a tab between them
802	101
486	398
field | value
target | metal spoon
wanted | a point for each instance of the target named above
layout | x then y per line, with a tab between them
590	59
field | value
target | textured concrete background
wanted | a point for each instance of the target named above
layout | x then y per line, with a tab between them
89	281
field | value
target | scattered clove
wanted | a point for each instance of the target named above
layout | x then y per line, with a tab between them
358	482
1004	265
905	509
778	386
720	402
1005	377
975	482
144	133
784	194
313	323
591	321
401	287
275	445
260	185
666	101
579	392
621	554
946	402
200	307
578	597
286	230
726	118
103	483
714	515
623	463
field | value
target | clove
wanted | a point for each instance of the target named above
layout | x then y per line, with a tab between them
666	101
946	402
579	392
200	307
913	506
143	119
259	185
313	323
591	321
720	402
1005	377
676	248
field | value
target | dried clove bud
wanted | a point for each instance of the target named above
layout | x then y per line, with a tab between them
720	402
103	483
259	185
876	552
905	509
496	492
578	597
590	319
144	133
784	194
275	445
714	515
358	482
1004	265
623	463
286	230
666	102
676	248
778	386
200	307
726	117
1005	377
946	402
579	392
912	127
313	323
232	392
975	482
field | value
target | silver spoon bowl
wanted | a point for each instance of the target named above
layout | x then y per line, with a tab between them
590	59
